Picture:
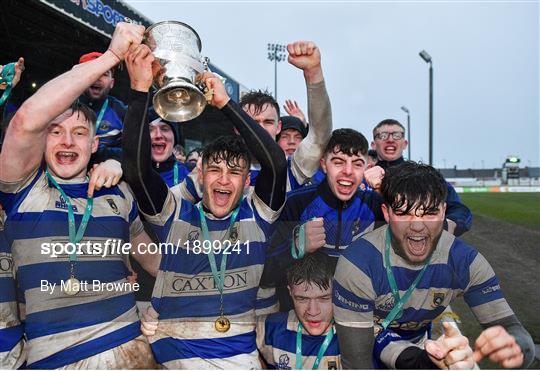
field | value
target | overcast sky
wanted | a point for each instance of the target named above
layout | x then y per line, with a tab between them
485	59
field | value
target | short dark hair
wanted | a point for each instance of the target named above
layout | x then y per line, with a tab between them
414	186
87	112
198	150
257	99
179	148
387	122
348	141
228	148
315	268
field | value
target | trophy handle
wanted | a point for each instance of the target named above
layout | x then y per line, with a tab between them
200	84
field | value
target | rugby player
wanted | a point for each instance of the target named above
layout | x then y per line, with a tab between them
328	216
207	298
309	281
400	277
67	326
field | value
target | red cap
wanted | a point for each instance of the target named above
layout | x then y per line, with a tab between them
89	57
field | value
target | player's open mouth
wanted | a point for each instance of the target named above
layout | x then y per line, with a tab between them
222	197
314	324
65	158
158	148
417	245
390	149
345	186
96	89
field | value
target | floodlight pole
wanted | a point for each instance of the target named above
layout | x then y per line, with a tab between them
276	53
427	58
406	110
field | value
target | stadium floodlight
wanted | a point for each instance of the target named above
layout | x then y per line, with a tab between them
406	110
427	58
276	53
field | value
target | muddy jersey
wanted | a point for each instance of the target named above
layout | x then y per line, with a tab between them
276	340
363	297
12	352
186	296
63	329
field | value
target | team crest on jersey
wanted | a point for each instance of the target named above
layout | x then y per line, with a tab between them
438	299
233	237
113	206
62	204
283	362
105	125
192	237
388	304
6	264
356	227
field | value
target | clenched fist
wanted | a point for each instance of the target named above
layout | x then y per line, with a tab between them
306	56
315	235
126	37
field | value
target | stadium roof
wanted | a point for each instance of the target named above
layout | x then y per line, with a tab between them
52	34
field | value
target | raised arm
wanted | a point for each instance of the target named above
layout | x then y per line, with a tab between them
307	57
25	139
271	181
149	188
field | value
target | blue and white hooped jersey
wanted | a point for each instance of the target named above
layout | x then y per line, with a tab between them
12	344
186	297
276	340
363	298
63	329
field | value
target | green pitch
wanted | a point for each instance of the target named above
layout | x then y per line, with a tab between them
516	208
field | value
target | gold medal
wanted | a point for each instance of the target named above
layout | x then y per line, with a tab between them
72	286
222	324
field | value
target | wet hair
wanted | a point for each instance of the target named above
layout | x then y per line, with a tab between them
88	114
315	268
387	122
228	148
348	141
257	99
410	186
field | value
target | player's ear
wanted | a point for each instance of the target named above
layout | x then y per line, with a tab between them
385	212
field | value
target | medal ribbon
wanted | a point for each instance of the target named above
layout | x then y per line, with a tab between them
322	349
299	231
219	276
397	311
175	171
75	235
101	113
301	242
6	76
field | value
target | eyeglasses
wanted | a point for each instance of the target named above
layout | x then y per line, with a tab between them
396	135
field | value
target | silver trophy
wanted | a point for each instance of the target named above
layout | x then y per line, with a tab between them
176	47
